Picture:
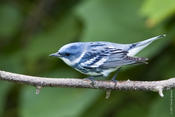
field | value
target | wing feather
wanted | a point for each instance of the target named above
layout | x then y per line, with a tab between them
107	56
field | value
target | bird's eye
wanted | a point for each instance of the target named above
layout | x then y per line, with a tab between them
67	54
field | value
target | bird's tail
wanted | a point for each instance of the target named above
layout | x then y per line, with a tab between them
137	47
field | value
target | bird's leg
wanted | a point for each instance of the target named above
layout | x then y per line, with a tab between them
108	92
115	75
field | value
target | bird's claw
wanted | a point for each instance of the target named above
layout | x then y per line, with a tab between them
91	79
114	80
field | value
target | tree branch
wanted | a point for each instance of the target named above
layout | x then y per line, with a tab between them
39	82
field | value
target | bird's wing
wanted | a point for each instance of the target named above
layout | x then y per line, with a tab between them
120	59
101	55
116	58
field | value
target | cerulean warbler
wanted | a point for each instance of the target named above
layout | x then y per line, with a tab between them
102	58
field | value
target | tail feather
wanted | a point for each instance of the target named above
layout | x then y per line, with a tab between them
138	60
137	47
149	41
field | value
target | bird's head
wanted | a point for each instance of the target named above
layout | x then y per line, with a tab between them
70	53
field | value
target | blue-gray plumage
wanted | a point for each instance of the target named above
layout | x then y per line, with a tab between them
102	58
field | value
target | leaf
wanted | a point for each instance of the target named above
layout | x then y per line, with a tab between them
117	21
4	87
158	10
133	110
63	72
101	107
45	43
10	20
161	106
55	102
12	63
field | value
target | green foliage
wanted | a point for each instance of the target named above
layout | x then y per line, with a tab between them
158	10
10	18
162	107
61	33
24	48
112	21
63	102
4	87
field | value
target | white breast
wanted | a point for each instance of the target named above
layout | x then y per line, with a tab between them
67	61
108	71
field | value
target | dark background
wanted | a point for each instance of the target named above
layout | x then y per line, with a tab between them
30	30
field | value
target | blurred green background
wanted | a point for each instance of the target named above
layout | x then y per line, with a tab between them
30	30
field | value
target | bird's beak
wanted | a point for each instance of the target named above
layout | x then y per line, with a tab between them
55	54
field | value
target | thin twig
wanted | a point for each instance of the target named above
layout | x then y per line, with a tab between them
156	86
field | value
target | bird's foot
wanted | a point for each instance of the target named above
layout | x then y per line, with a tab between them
91	79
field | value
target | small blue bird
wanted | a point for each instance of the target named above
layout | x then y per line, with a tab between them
101	58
